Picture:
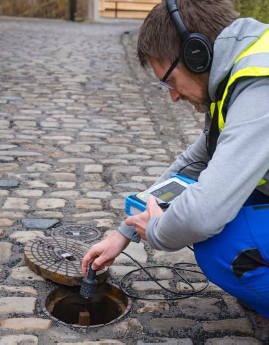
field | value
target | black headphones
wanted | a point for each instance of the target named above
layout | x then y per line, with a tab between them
196	49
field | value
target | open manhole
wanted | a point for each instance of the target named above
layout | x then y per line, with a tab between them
77	232
66	306
59	259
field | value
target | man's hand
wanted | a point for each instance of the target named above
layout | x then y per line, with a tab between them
141	220
104	253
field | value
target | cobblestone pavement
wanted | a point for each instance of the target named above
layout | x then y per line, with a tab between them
82	126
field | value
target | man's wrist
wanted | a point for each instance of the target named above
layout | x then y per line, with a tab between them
129	232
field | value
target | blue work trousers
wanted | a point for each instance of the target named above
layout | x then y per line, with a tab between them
237	259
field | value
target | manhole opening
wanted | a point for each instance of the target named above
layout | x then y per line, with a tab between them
67	306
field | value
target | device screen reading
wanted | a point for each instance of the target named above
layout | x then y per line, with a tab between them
168	192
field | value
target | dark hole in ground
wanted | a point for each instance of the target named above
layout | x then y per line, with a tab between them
67	306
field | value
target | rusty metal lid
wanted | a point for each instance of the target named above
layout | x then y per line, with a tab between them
59	259
78	232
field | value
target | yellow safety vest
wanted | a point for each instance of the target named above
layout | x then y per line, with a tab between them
253	62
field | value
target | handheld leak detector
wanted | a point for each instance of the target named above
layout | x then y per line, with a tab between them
164	192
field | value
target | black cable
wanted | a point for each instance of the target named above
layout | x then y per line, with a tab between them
180	295
198	162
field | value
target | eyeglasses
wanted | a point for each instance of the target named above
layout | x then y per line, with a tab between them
163	81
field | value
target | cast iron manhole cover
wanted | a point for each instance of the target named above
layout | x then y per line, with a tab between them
59	259
77	232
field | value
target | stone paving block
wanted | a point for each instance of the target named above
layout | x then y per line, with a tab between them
97	168
136	250
11	215
144	179
234	308
129	170
6	222
128	325
16	203
9	183
102	341
89	204
25	236
233	341
77	148
37	184
229	325
113	149
153	307
5	251
76	160
49	214
30	324
35	223
50	203
24	273
138	187
67	177
170	341
18	289
8	166
150	286
19	339
92	185
183	255
17	154
118	204
66	194
4	193
99	195
94	215
39	167
65	185
200	308
156	170
198	286
122	270
29	193
18	305
107	223
167	324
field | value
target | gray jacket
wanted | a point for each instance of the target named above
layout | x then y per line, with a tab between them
240	161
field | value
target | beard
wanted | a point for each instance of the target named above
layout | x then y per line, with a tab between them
202	108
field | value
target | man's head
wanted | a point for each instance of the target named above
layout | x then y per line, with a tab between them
159	43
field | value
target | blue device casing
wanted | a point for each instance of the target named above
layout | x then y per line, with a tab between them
131	203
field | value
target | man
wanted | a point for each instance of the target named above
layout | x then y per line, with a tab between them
231	78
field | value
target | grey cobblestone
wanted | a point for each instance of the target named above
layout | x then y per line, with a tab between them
81	127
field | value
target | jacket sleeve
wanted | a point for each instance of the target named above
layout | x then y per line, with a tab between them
195	152
240	161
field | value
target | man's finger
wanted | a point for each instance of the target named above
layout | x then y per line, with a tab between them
153	208
99	262
87	258
132	220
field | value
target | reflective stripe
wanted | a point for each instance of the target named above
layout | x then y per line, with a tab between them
253	62
246	72
257	60
262	181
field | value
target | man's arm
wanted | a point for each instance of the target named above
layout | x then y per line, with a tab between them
239	163
194	153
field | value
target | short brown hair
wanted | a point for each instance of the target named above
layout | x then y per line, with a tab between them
158	37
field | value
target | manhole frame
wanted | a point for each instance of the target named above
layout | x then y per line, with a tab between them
54	232
54	319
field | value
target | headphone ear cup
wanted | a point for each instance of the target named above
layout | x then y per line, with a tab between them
196	53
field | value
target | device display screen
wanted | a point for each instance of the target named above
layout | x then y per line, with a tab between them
169	192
